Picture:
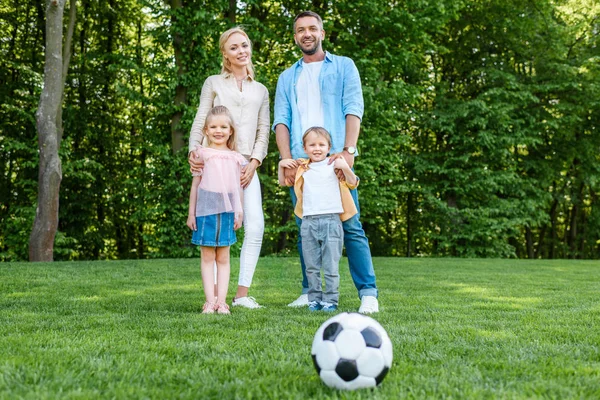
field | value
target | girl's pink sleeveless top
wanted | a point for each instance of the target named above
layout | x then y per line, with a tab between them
220	190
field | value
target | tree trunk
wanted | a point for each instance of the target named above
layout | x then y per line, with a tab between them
541	250
529	242
409	210
232	11
177	135
41	241
142	157
571	236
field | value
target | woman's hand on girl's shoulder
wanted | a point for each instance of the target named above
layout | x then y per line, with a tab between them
196	161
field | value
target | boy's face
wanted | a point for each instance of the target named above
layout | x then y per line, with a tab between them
316	147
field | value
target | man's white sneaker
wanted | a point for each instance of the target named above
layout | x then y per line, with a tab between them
248	302
368	305
301	301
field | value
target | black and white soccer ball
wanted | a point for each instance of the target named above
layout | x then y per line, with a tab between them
352	351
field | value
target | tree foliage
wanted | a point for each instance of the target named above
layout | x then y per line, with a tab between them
479	137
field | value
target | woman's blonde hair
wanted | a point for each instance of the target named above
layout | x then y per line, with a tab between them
226	64
222	110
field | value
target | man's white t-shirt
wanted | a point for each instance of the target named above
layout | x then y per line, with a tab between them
321	190
308	91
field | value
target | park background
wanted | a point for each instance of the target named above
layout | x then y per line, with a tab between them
479	139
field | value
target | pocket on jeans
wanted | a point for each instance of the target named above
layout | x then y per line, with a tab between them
304	229
335	231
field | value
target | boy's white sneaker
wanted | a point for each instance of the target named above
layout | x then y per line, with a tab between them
301	301
368	305
248	302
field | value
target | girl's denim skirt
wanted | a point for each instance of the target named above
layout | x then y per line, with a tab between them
214	230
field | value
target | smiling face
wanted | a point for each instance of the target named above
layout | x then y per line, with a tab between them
316	146
308	35
218	130
237	51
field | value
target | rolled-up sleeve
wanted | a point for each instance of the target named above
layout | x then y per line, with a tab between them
283	108
261	144
206	103
352	98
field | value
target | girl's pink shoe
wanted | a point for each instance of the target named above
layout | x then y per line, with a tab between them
222	308
209	307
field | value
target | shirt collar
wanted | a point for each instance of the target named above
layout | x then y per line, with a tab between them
328	58
228	75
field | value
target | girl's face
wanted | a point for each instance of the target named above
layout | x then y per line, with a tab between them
316	147
218	131
237	50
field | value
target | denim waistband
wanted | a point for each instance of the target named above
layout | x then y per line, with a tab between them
322	216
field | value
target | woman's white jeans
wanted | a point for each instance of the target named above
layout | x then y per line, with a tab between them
254	227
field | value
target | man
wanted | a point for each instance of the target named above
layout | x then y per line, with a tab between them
322	89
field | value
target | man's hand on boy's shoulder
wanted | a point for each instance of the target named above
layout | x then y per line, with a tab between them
338	158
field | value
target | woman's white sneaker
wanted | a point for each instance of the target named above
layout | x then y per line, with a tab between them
301	301
368	305
248	302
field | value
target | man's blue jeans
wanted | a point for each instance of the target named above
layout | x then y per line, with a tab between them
357	251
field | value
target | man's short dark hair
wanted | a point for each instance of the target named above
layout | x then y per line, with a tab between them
304	14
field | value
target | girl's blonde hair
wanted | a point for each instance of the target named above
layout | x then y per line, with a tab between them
320	131
222	110
226	64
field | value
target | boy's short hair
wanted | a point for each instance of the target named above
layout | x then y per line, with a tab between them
319	130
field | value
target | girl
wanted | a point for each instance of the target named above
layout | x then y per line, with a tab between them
248	100
215	209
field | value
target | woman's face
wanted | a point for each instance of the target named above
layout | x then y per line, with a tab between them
237	50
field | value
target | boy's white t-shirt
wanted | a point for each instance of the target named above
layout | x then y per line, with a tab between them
308	93
321	190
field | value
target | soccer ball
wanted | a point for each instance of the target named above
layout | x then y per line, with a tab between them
352	351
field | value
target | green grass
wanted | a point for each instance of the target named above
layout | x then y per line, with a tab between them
460	329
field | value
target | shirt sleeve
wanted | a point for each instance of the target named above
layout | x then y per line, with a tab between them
283	108
206	103
261	144
352	98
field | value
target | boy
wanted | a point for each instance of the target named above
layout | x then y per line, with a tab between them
323	203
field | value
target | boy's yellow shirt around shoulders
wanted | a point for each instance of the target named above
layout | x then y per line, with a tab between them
347	201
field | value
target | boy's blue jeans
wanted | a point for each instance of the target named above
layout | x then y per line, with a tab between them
322	241
357	251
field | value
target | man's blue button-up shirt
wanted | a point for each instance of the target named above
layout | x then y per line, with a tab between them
341	95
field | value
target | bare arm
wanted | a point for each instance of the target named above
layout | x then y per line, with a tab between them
352	131
239	216
191	220
349	175
282	136
284	165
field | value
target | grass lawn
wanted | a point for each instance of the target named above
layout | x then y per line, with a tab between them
460	328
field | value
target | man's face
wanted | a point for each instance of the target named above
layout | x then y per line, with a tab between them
308	35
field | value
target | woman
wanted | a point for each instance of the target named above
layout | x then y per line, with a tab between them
248	101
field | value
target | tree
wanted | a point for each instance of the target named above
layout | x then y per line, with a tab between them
49	126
